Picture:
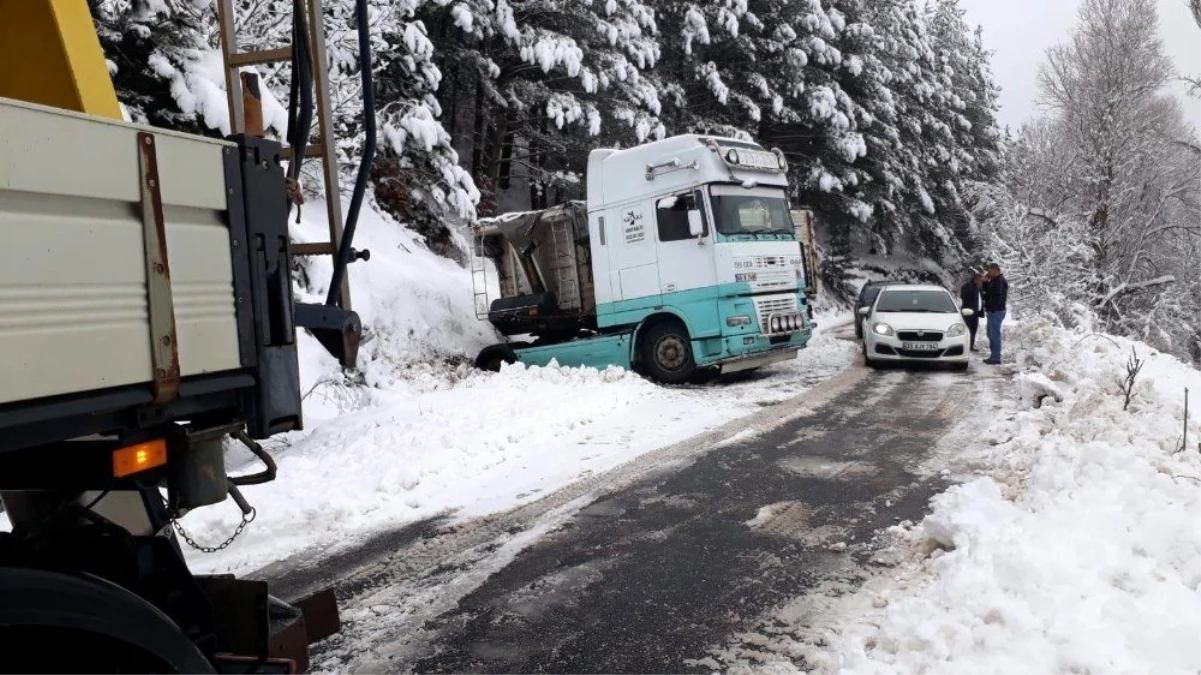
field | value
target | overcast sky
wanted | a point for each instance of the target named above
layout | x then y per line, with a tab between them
1020	31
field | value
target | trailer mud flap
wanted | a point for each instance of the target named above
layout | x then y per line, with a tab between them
254	627
321	616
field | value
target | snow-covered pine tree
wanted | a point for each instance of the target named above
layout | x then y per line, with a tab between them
534	83
771	70
705	45
417	175
913	157
968	110
161	63
821	127
808	57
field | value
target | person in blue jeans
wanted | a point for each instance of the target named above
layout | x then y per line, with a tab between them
996	293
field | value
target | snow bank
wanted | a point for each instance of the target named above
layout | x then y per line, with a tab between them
1080	551
417	307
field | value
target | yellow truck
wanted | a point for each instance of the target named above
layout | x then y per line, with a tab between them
146	318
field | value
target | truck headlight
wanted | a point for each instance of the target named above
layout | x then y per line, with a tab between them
882	329
956	330
736	321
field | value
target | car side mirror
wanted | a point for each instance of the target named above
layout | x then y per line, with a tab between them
695	227
864	311
967	311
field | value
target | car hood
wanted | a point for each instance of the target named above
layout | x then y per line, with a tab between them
917	321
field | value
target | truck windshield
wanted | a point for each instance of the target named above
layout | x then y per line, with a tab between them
755	211
932	302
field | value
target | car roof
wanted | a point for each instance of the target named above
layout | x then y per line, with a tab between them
915	287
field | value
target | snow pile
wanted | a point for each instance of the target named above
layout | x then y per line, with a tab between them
416	307
1080	552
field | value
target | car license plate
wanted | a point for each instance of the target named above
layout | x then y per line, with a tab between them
920	346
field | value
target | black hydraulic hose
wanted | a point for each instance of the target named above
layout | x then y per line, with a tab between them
360	184
300	117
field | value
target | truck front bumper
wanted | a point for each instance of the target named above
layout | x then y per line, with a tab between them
752	361
745	352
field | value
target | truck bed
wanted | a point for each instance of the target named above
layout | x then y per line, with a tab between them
74	309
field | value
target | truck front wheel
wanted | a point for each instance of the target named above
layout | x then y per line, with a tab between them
666	353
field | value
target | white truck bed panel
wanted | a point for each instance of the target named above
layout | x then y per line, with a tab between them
73	306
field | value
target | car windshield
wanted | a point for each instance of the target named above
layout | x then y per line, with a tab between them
755	211
932	302
870	293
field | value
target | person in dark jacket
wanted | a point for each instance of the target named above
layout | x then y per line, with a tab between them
996	293
971	297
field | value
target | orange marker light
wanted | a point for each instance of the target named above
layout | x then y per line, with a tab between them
139	457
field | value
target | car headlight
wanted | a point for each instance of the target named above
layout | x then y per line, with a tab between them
956	330
735	321
882	329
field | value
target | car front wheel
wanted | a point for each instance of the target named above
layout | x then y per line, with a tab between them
867	359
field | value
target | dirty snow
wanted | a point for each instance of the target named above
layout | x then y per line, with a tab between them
1075	548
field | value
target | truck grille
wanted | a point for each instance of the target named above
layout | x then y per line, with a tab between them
768	306
919	335
776	278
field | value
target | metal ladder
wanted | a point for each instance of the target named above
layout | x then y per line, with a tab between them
323	148
567	291
479	276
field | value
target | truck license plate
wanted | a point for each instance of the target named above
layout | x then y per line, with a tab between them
920	346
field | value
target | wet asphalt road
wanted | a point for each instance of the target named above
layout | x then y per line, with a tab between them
649	577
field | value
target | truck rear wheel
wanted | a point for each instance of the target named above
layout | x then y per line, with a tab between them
666	352
492	358
53	622
88	653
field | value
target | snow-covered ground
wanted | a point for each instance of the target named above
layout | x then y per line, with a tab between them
471	443
424	434
1073	544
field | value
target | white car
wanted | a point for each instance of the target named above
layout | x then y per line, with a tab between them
915	323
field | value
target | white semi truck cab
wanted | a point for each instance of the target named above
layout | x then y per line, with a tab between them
684	257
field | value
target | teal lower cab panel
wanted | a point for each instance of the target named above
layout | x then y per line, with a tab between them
596	352
713	351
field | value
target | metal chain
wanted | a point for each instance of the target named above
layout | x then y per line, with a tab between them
247	518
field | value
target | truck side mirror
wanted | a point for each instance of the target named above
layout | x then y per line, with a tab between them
695	227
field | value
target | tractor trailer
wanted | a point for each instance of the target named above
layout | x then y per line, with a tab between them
683	257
